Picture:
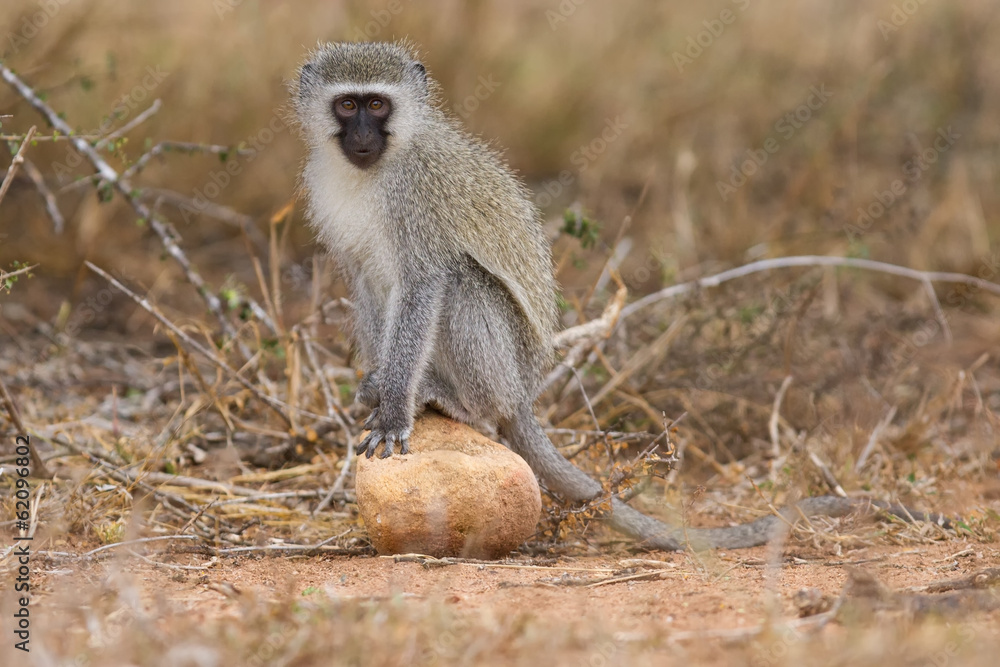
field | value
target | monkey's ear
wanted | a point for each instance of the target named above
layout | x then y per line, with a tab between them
308	77
418	68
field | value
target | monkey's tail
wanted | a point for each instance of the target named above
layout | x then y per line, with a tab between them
525	436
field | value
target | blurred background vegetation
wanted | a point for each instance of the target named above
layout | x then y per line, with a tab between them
641	123
679	139
550	78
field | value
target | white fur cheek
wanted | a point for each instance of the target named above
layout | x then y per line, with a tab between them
402	125
319	125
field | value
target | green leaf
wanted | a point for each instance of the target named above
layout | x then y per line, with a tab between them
581	227
749	313
105	193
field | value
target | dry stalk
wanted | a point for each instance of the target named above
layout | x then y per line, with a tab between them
51	207
16	163
772	424
873	439
37	463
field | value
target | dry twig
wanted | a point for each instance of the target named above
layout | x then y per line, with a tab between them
37	463
15	163
279	407
807	261
114	180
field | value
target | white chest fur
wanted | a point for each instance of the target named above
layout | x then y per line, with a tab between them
349	220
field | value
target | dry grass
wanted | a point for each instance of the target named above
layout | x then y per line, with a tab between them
887	399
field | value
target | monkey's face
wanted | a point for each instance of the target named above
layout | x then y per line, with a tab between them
362	119
362	102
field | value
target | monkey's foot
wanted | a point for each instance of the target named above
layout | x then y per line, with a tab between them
376	436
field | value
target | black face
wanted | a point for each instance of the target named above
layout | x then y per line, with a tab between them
362	127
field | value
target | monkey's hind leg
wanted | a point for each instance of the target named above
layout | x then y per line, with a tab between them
441	396
479	361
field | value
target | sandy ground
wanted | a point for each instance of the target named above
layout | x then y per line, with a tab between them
710	590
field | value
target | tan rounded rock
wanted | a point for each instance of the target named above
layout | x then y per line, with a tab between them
457	493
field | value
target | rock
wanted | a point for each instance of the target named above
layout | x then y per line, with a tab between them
457	493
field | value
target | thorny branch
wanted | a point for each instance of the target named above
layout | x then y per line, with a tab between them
111	178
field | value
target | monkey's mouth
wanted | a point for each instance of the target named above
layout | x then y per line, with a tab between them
363	157
363	154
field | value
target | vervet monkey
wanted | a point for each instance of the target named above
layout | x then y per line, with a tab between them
449	271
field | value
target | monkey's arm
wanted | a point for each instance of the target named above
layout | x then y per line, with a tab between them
405	348
368	324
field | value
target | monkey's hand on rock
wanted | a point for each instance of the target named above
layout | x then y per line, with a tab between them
389	426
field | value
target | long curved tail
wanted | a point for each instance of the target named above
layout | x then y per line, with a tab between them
525	436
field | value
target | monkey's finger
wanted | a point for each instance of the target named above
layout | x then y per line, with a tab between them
390	444
371	419
404	445
368	445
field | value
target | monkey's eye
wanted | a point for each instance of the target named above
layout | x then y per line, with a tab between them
376	104
348	105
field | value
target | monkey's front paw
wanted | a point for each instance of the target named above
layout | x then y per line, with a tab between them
382	430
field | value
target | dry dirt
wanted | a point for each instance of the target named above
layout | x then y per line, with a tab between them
706	606
696	592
